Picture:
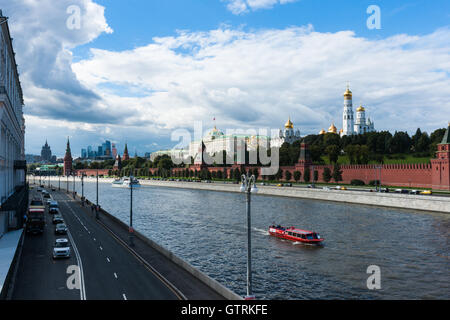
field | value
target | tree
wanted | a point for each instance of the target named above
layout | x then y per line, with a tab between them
326	174
279	174
256	173
316	175
337	173
332	152
401	142
297	176
288	175
307	175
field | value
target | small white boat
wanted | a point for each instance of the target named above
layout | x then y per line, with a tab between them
126	182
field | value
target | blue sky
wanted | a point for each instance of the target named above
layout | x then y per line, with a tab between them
136	22
137	70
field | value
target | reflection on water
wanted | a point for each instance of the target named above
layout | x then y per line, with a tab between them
208	229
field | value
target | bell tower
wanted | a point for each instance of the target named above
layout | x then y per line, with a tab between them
347	116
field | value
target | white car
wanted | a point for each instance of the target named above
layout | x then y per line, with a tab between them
61	249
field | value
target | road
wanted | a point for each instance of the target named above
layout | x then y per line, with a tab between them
108	271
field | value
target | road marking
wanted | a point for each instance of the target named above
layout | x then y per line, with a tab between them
115	275
80	265
108	259
124	296
101	248
95	239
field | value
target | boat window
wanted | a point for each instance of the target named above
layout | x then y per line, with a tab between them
303	236
289	233
309	236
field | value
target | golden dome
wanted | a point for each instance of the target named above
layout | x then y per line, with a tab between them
360	108
322	131
332	129
348	93
289	124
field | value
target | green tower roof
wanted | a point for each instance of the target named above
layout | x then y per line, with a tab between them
446	138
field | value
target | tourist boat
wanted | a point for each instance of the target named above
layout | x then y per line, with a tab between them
295	234
117	183
131	182
126	182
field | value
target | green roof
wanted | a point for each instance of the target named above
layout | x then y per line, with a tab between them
446	138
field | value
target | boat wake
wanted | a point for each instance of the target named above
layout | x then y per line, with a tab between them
261	231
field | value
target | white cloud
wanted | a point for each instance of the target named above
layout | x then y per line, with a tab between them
260	78
43	43
244	6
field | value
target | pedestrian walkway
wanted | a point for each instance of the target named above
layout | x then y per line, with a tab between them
8	246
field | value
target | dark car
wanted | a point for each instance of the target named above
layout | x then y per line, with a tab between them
61	228
36	202
57	218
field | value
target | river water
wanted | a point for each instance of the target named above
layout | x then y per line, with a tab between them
209	230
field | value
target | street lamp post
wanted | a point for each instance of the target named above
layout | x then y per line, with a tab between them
96	208
67	189
74	185
82	189
131	212
59	182
248	186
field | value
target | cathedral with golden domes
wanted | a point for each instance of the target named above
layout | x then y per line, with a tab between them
350	124
287	135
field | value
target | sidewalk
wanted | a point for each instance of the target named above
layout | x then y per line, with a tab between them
8	246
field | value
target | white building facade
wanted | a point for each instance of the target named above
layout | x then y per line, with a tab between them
12	126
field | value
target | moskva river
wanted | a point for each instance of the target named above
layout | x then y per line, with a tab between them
209	230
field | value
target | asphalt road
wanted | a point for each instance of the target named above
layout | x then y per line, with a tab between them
108	271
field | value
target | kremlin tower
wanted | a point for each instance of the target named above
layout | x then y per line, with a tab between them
68	160
125	153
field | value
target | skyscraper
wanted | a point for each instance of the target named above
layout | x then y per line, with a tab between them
46	153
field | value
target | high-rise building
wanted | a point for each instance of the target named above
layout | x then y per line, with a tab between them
46	153
114	151
84	154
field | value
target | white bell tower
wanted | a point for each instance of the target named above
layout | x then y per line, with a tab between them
347	117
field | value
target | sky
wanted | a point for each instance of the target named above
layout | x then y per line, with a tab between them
135	71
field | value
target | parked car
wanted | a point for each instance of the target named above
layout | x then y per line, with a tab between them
414	192
61	228
426	192
279	185
53	189
326	188
61	248
57	218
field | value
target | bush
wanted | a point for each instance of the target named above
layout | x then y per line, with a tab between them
374	182
357	182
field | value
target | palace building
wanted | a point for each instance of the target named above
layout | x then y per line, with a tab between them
13	196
